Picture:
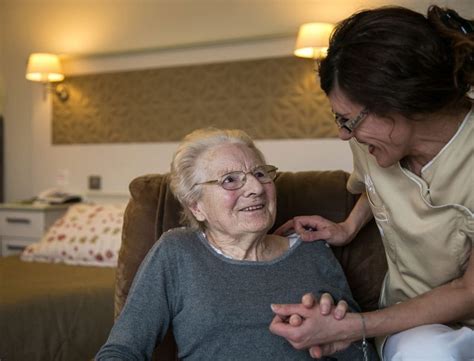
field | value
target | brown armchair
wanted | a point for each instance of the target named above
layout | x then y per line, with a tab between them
153	209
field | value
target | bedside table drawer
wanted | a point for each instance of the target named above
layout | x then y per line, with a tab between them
14	246
22	224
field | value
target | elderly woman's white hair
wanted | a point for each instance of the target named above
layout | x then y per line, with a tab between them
185	175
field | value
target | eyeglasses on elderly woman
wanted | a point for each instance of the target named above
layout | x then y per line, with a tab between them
236	180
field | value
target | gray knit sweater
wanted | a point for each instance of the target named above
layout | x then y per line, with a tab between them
219	308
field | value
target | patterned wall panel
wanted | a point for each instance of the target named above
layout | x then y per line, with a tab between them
269	98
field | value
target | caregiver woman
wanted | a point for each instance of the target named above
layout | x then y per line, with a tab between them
397	83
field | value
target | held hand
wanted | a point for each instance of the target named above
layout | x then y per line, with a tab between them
313	330
316	351
326	304
328	349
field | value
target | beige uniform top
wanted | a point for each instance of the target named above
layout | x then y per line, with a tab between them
427	222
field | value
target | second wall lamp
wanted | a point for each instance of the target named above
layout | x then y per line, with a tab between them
46	68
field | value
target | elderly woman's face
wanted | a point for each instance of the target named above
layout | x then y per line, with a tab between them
250	209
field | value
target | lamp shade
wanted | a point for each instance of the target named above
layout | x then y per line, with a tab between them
313	40
44	67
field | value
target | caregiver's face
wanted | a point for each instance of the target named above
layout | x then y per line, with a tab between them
387	139
249	209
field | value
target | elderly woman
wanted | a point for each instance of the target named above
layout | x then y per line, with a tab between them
213	282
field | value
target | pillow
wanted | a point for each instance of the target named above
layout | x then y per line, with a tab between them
88	234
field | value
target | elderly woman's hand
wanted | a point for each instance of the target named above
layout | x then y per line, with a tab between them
326	304
313	228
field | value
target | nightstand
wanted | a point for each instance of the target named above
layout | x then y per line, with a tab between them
22	224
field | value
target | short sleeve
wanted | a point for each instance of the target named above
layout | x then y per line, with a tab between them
470	229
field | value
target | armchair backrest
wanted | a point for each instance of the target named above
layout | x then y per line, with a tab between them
153	209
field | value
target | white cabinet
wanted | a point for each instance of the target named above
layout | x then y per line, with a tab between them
22	224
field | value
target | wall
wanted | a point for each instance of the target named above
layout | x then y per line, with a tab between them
119	163
2	57
120	29
2	95
17	108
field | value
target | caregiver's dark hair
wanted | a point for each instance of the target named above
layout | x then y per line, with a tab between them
394	60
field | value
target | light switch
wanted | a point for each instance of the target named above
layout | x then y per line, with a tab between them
95	182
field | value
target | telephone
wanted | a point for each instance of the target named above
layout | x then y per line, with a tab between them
56	196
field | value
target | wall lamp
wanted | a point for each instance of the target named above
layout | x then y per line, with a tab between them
313	40
46	68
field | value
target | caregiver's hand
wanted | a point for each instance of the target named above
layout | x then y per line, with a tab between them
314	330
312	228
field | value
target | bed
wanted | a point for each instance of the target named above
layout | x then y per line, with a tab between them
57	298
